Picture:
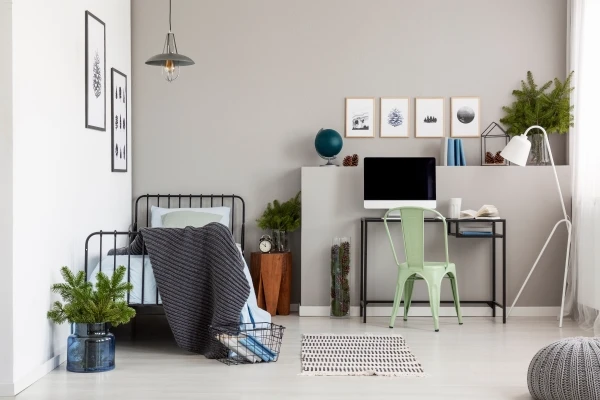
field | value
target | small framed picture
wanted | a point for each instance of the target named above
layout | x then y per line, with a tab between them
394	118
429	117
119	121
95	73
465	117
359	117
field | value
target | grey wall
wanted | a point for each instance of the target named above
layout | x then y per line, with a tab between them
527	197
270	73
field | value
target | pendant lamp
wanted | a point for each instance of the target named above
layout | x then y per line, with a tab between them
169	60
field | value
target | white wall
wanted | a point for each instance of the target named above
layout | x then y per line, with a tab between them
63	185
6	312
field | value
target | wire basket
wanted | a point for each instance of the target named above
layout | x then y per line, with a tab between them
249	343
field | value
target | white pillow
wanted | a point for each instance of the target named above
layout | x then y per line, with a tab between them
158	212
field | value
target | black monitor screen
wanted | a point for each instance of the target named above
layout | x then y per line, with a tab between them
399	178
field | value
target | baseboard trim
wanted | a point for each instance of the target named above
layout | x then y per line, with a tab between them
323	311
7	390
36	374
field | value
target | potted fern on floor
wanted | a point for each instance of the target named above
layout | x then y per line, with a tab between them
91	311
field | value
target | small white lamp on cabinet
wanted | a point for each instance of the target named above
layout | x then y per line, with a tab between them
517	152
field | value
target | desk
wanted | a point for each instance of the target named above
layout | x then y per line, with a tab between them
452	223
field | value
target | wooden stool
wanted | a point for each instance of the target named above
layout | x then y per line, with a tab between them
272	278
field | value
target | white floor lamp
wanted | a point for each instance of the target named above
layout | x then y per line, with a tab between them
517	152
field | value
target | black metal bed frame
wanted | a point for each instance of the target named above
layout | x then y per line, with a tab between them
215	201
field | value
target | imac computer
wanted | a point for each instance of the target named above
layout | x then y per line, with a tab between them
391	182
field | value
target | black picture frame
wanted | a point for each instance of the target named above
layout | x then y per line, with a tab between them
118	94
89	19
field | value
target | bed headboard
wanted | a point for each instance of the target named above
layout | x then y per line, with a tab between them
144	203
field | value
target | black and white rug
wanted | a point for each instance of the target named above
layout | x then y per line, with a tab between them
358	355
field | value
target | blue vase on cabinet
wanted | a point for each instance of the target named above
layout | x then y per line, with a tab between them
90	348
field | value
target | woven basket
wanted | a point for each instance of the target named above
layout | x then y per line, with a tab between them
567	369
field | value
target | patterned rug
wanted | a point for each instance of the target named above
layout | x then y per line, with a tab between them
358	355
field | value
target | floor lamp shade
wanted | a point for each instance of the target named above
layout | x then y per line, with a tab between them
517	150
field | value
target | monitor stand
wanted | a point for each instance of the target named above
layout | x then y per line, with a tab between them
396	215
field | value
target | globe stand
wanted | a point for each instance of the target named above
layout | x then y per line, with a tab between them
329	161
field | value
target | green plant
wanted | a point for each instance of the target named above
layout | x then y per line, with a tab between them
85	305
536	106
281	216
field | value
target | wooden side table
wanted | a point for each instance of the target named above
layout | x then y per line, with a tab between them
272	278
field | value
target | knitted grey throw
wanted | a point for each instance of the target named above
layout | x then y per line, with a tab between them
200	276
568	370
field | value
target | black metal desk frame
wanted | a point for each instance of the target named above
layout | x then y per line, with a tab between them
453	230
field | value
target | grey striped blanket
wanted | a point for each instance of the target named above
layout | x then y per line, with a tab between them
200	276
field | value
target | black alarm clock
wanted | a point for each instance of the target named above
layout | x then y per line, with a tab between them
265	244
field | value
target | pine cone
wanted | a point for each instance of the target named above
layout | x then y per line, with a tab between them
347	161
498	159
489	158
355	160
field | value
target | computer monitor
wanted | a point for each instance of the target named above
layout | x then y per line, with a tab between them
391	182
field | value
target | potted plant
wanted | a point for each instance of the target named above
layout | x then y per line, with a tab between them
550	109
91	312
281	218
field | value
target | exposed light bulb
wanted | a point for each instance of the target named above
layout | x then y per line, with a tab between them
170	70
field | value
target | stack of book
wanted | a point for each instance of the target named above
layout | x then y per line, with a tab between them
452	153
478	228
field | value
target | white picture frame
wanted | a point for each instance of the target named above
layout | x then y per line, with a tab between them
360	117
95	73
465	117
430	117
119	120
394	117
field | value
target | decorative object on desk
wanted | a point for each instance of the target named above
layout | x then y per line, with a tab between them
272	279
249	343
351	161
281	218
328	144
340	272
265	244
429	117
394	118
119	121
95	73
359	117
355	160
486	211
537	106
453	153
517	152
354	355
465	112
91	347
454	207
494	137
498	159
566	369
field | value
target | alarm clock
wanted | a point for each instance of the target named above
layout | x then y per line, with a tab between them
265	244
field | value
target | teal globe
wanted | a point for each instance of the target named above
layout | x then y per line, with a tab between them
328	143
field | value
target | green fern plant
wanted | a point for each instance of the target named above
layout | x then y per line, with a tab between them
281	216
536	106
85	305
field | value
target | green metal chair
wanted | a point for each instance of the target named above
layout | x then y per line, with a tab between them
415	268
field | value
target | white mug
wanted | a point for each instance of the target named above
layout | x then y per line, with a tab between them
454	210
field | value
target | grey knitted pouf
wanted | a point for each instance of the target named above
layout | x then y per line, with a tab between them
567	370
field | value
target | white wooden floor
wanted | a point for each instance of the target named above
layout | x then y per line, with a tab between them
482	359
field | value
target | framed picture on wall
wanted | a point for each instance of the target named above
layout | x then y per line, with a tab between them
95	73
119	120
465	113
394	118
429	117
359	117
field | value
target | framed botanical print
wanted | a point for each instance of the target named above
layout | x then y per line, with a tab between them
429	117
465	113
119	120
95	73
359	117
394	118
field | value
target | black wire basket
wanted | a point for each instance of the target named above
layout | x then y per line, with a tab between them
249	343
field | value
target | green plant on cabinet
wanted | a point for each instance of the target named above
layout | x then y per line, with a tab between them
281	216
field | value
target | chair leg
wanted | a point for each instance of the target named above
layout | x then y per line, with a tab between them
456	299
408	291
434	301
397	297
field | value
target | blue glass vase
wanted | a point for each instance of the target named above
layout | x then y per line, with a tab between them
90	348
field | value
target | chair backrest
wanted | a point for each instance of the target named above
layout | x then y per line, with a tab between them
413	233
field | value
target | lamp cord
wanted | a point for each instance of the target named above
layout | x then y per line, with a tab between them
169	15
